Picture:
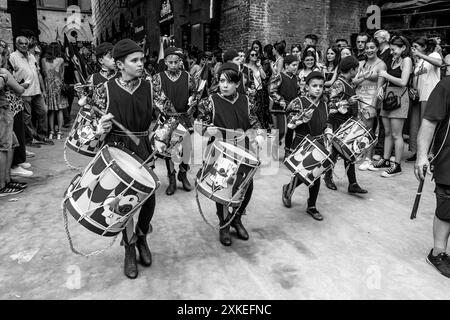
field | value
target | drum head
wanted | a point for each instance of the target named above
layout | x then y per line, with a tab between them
236	153
132	167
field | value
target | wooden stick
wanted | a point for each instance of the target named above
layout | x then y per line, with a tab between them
418	194
120	126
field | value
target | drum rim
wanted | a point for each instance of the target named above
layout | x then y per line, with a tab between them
214	197
253	158
80	150
121	172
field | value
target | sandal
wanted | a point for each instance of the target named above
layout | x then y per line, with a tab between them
7	191
17	185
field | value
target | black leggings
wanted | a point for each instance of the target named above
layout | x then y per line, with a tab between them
349	167
247	197
143	224
313	191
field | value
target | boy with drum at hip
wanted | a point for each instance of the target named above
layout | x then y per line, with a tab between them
229	109
174	93
307	115
343	105
284	88
128	99
108	70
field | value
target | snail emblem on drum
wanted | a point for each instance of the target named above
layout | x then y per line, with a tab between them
224	171
116	208
85	133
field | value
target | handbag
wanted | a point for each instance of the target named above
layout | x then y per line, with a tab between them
391	101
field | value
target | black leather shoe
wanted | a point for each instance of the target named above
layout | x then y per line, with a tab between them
144	251
313	212
285	196
330	183
224	233
355	188
225	237
33	145
184	180
240	229
130	265
45	141
172	184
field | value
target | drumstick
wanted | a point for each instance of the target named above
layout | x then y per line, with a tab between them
418	194
349	95
120	126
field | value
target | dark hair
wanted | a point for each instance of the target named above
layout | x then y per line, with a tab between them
363	34
296	46
280	47
247	55
341	39
337	58
306	54
230	75
268	51
315	77
260	51
52	52
374	41
312	37
348	63
429	44
401	41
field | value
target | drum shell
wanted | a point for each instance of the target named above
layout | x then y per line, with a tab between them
74	141
234	185
344	138
105	193
309	160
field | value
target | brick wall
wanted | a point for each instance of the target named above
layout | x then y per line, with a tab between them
234	24
5	24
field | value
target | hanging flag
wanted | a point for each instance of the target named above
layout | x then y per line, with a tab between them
74	55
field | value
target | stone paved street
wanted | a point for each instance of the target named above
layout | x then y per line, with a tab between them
365	248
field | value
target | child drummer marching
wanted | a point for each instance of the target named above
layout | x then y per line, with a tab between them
128	99
108	70
343	105
229	109
174	93
307	115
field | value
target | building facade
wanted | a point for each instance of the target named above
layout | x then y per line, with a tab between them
59	17
5	24
208	24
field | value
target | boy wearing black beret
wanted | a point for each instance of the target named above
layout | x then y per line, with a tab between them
103	53
343	105
128	99
230	109
174	93
307	115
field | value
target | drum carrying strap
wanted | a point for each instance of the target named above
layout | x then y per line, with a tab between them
123	133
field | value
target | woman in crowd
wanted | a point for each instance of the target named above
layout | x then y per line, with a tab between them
258	74
345	52
397	77
53	71
257	46
308	65
367	83
296	50
279	50
333	57
427	74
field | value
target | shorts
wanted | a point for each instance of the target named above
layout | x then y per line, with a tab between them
442	202
8	139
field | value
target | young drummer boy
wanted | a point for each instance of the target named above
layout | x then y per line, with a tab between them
128	99
307	115
284	88
343	105
230	109
174	93
108	69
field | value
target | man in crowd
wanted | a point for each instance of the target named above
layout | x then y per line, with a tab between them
361	40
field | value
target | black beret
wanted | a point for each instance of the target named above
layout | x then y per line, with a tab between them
348	63
290	58
173	51
314	75
228	66
230	55
125	47
103	49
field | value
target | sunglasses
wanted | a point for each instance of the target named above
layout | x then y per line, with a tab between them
253	55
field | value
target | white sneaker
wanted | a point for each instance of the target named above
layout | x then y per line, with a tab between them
30	154
392	159
365	165
19	171
25	165
376	157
